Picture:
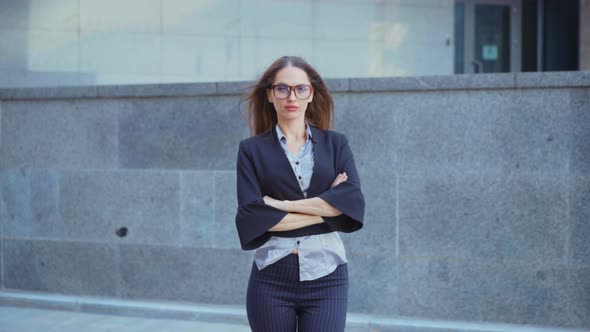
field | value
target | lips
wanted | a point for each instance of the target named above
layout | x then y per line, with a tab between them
291	108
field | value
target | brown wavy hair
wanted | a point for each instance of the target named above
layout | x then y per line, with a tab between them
261	113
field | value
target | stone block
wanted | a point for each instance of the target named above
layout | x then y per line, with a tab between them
579	203
215	276
577	297
30	205
478	130
223	234
425	83
367	120
94	205
61	133
552	79
373	283
157	90
433	131
379	233
48	92
517	294
338	84
1	256
197	208
14	208
185	133
488	217
234	88
537	134
580	150
60	267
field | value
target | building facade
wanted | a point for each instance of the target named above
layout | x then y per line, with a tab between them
89	42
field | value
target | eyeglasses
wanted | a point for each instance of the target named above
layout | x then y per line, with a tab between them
282	91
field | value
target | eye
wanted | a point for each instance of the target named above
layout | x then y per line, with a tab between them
302	88
282	88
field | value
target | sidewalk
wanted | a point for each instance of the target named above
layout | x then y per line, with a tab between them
22	311
14	319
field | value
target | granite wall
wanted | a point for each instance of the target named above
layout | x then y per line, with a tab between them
477	190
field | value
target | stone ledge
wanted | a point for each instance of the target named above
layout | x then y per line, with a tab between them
376	84
237	314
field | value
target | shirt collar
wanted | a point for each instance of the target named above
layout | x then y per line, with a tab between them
280	134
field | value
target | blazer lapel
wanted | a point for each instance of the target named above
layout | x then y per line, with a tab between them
285	168
322	175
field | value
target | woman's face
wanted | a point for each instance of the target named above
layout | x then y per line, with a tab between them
290	85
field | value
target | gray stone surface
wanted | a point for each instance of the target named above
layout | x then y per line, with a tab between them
197	208
373	283
223	234
476	197
471	81
485	217
30	205
484	130
455	290
580	151
234	88
50	92
208	209
157	90
553	79
201	275
60	267
60	133
379	233
537	135
14	207
579	203
181	133
338	84
359	117
95	204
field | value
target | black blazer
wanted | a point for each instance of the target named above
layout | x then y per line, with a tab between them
264	169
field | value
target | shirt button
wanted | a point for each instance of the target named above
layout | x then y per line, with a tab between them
296	163
299	177
298	242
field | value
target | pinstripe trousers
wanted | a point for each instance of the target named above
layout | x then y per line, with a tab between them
278	302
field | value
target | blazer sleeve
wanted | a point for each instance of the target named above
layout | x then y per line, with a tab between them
254	218
347	197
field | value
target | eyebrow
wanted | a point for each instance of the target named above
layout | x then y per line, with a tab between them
281	83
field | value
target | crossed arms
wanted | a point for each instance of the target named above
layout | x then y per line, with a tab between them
304	212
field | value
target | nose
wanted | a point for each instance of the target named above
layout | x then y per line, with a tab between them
292	95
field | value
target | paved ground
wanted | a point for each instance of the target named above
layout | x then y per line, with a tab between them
41	312
15	319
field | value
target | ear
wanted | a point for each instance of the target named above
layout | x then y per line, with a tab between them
269	95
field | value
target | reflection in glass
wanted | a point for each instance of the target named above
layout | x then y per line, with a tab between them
492	39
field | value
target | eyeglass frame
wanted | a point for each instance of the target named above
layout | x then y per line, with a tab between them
291	89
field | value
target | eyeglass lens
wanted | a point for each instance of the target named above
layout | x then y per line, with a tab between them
302	91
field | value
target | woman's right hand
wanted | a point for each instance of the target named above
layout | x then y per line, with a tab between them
339	179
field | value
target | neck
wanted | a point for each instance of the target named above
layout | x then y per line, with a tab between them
293	130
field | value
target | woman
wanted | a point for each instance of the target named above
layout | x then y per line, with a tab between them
297	187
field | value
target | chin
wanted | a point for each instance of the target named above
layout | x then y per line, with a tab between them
292	115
